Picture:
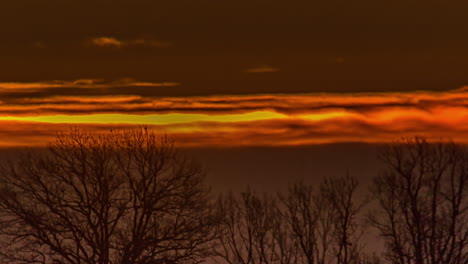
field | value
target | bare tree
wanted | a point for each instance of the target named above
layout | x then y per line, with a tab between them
126	197
423	202
302	226
340	194
310	221
324	222
251	231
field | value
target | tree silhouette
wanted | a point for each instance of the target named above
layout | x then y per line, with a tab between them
309	219
129	197
301	226
423	202
126	197
251	231
340	194
324	222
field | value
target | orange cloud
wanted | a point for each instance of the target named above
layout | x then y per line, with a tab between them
81	83
116	43
107	42
249	120
262	69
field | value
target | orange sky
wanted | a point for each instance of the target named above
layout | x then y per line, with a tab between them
235	120
230	73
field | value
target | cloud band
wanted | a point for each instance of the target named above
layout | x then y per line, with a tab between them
233	120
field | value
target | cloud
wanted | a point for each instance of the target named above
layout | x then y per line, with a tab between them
249	120
262	69
292	104
80	83
107	42
117	43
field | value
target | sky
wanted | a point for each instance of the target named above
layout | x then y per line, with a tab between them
260	92
251	74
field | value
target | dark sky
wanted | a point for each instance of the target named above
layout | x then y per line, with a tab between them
215	47
273	169
210	46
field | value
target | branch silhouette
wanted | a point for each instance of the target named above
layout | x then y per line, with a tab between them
130	197
423	202
124	197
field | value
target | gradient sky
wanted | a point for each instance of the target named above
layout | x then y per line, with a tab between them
261	92
249	73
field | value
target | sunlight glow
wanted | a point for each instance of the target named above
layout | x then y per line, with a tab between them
327	115
165	119
242	120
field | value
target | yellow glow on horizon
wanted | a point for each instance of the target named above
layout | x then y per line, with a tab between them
163	119
327	115
234	120
170	119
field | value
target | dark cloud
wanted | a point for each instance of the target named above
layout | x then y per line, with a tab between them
332	46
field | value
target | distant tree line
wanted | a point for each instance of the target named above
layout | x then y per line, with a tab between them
130	197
